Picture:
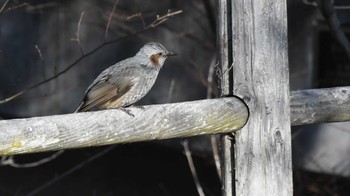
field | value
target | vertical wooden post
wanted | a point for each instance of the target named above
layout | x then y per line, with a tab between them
223	50
255	40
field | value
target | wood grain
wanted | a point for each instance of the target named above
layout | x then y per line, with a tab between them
262	149
225	62
320	105
114	126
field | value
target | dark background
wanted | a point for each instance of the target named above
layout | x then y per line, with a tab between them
154	168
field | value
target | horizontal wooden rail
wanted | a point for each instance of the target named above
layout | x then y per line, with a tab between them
115	126
320	105
160	122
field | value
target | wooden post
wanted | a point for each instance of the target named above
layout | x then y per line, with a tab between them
256	45
224	76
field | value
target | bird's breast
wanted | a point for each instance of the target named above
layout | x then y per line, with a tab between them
145	81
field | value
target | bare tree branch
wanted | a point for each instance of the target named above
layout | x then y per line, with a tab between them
210	15
39	7
327	9
162	19
200	76
216	156
342	7
70	171
187	35
3	10
138	15
213	143
210	77
171	90
77	34
154	24
193	168
39	52
9	160
110	18
4	6
28	7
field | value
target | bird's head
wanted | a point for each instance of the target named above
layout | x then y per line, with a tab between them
154	54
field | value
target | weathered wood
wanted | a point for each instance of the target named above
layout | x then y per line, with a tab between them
227	169
320	105
262	149
224	77
161	122
115	126
223	50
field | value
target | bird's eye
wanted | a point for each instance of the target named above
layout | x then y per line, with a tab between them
160	54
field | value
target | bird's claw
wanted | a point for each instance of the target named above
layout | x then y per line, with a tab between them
127	111
139	106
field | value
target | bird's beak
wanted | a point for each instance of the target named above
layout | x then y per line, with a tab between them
171	54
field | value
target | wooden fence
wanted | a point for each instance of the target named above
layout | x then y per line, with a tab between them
252	42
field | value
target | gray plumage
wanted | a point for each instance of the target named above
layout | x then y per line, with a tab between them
126	82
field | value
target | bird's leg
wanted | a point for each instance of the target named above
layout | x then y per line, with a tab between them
126	111
138	106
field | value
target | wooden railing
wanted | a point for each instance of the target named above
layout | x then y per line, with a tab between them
259	108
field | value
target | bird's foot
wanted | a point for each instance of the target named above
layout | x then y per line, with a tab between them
231	136
126	111
139	106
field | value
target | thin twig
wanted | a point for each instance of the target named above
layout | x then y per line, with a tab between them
4	6
171	89
70	171
314	3
199	76
169	14
210	15
161	19
189	36
74	64
8	160
77	34
138	15
193	169
211	76
61	72
214	147
340	7
308	2
39	52
16	7
39	7
220	74
110	18
329	13
224	72
132	16
29	8
213	142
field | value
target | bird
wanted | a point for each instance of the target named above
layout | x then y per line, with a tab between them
127	81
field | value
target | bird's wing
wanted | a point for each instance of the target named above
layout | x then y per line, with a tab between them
106	89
